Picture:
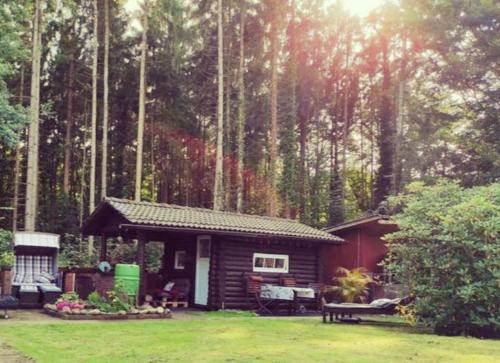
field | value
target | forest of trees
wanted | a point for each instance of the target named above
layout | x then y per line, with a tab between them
292	108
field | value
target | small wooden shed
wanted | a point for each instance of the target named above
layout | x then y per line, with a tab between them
213	249
364	246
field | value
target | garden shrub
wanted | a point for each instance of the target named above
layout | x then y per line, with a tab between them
7	259
74	253
6	252
351	285
5	241
116	300
447	252
121	252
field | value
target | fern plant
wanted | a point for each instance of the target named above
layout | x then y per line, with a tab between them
351	284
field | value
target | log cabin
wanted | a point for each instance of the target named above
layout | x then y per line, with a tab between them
212	249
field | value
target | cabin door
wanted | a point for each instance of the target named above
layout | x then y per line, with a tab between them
202	269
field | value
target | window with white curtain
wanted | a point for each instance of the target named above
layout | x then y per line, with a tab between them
268	262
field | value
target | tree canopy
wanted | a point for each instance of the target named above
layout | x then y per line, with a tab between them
325	113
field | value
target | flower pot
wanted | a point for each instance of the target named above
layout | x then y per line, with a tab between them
6	280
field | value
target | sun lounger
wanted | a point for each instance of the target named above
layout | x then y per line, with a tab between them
376	307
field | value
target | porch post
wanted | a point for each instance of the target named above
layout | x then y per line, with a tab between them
141	261
164	258
104	247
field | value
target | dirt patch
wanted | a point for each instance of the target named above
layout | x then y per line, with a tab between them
7	354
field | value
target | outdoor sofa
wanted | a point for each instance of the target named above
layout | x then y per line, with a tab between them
35	277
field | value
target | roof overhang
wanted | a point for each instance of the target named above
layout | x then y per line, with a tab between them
358	223
111	220
137	228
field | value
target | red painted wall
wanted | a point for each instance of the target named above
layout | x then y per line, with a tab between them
363	248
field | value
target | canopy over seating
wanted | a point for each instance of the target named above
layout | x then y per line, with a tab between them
36	239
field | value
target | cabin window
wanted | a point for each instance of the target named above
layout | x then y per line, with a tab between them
180	260
267	262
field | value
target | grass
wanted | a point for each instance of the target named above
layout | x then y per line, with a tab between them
217	337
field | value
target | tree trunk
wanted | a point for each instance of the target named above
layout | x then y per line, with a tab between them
227	175
84	163
372	157
142	105
69	127
336	208
385	172
19	157
33	139
218	181
398	165
288	139
241	113
153	155
105	105
272	198
93	142
345	130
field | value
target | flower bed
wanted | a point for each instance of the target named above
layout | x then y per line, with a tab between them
113	306
96	314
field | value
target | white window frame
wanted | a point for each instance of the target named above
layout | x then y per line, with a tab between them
284	269
177	264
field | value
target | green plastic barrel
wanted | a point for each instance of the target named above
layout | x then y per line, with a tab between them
127	276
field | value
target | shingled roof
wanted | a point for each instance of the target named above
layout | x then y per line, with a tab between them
169	215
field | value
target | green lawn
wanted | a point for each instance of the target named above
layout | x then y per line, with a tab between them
219	338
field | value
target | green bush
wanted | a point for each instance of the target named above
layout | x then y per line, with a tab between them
70	296
447	252
351	284
123	253
74	253
6	253
95	300
7	259
5	241
115	301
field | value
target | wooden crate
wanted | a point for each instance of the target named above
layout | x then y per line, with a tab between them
174	304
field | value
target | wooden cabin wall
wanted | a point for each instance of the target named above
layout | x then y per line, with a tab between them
183	242
362	249
179	242
214	273
236	259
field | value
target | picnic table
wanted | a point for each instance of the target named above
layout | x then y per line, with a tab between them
272	293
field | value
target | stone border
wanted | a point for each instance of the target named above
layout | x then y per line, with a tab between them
109	316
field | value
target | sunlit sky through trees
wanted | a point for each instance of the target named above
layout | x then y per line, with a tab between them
356	7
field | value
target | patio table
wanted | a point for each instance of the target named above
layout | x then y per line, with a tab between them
285	293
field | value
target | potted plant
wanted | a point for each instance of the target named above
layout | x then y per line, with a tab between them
6	263
6	260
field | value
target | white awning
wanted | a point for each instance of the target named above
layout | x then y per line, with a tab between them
36	239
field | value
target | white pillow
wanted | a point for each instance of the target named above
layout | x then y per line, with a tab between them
42	279
381	302
169	286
